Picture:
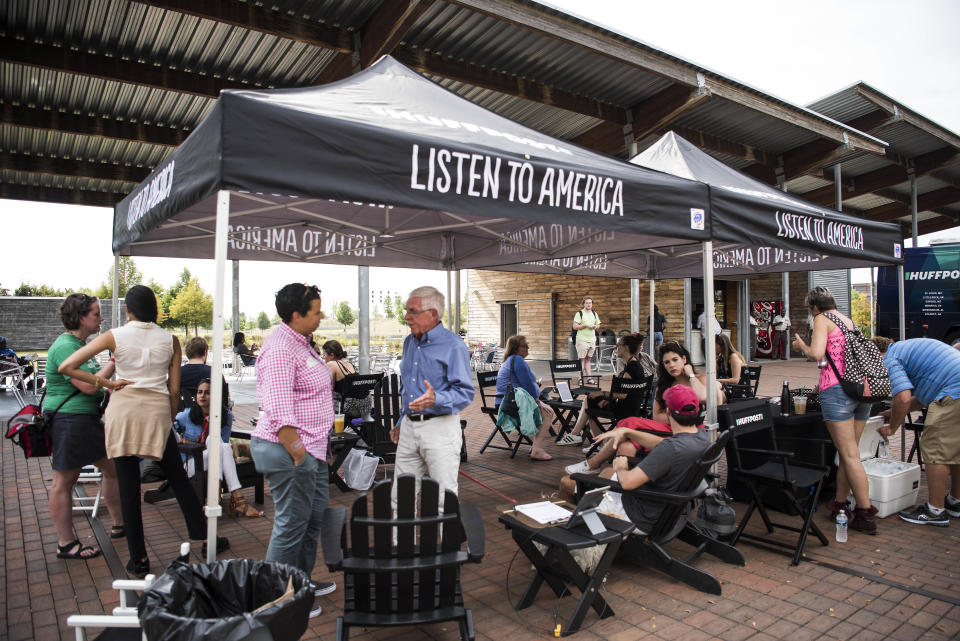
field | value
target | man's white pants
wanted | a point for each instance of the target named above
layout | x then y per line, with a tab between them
430	448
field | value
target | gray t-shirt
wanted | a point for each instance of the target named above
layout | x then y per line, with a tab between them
665	465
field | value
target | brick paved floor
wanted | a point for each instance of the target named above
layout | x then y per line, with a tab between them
902	584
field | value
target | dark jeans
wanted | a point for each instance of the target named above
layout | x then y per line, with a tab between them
128	478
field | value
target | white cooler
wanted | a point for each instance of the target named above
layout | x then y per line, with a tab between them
894	485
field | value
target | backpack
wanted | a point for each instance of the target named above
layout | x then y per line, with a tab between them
865	377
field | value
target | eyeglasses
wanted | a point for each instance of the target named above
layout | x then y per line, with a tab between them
414	312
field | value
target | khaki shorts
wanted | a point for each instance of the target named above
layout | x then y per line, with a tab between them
585	349
940	442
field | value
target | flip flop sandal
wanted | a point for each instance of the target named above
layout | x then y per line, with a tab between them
63	551
117	532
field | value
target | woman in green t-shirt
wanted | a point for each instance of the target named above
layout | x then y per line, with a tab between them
76	428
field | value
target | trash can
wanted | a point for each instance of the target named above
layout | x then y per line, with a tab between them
572	343
225	600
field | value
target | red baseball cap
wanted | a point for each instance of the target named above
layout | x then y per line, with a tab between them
681	399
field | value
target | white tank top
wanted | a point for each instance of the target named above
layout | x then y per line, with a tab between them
143	355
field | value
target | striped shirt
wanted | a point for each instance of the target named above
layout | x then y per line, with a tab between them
294	388
928	367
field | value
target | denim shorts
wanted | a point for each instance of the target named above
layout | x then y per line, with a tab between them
837	406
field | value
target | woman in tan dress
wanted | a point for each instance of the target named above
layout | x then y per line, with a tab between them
138	420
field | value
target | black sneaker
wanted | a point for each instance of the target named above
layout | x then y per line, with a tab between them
922	515
952	506
322	587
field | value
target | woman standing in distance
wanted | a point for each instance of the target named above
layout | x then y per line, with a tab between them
76	429
845	417
140	413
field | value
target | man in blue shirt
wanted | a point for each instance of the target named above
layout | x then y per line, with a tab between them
926	373
436	386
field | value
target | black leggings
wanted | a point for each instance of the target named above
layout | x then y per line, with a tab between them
128	478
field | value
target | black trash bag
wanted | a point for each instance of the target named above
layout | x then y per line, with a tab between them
216	601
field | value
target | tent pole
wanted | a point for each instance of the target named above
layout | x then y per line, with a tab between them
363	324
448	311
785	286
900	301
235	317
652	346
687	310
213	509
912	174
710	346
115	301
873	331
456	301
634	305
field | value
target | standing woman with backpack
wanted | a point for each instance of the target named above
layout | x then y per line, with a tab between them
845	416
76	428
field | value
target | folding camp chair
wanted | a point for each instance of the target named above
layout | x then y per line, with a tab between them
357	386
750	375
772	470
571	371
674	523
488	381
606	419
415	580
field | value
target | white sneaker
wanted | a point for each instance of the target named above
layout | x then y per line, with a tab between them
589	446
583	467
316	611
571	439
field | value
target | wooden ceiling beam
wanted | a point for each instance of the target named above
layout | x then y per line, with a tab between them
932	225
109	68
929	201
86	125
709	142
662	109
387	26
256	17
59	195
606	138
903	199
462	71
885	176
76	168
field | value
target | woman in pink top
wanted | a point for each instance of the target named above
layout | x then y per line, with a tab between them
845	417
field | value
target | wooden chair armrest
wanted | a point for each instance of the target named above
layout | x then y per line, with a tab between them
473	528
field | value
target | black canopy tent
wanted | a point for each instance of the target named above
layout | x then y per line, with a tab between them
387	168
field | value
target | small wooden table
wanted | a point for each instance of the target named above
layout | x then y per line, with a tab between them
557	567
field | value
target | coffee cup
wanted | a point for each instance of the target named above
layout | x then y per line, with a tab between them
800	404
338	423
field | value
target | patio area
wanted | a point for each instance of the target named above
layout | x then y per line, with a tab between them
902	584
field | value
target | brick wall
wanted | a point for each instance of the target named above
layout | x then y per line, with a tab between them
32	323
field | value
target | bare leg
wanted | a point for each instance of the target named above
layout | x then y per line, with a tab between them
543	433
581	418
843	485
851	467
111	493
61	508
937	482
585	365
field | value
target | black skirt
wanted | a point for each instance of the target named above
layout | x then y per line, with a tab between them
77	440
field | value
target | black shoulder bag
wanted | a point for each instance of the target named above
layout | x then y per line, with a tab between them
509	404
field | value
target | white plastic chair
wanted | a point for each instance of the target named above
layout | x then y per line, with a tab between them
11	379
88	503
123	616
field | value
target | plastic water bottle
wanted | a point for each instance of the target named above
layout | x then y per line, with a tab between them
842	527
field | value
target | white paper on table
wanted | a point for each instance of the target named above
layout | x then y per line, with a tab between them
544	512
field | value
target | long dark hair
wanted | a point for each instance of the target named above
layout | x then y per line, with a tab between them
142	303
664	380
632	342
196	413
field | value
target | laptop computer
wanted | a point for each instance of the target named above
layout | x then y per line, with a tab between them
563	389
586	512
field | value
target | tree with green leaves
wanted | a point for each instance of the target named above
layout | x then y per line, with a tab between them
345	315
129	276
860	311
263	321
400	310
26	289
388	306
192	306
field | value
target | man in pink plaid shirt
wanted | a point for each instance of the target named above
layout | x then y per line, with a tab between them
289	444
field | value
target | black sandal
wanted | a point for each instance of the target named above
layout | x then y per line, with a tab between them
117	532
63	551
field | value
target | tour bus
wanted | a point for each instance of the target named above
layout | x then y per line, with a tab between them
931	287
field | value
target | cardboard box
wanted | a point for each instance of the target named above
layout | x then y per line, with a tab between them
894	485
